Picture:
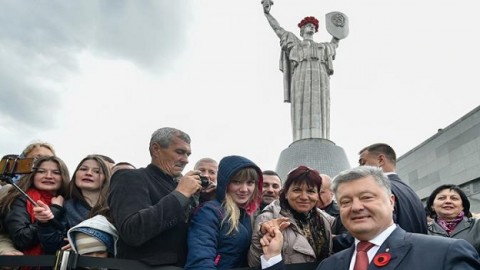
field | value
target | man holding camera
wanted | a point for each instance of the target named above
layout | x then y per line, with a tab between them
150	206
208	168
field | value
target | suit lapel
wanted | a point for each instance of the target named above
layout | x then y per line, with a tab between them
397	246
345	259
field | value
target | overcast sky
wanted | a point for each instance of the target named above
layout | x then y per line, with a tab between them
101	76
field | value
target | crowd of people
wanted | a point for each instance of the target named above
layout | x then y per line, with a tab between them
232	214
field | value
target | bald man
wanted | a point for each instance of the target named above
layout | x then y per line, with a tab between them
326	201
341	239
208	168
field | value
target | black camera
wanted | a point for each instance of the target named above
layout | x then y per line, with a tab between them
204	181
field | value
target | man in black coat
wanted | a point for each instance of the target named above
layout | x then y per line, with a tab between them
150	206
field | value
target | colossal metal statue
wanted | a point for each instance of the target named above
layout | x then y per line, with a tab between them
307	66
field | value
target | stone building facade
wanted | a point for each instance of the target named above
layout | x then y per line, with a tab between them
451	156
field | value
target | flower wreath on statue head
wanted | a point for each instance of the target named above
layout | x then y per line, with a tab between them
308	20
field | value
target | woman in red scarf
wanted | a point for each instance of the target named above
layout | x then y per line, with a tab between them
37	230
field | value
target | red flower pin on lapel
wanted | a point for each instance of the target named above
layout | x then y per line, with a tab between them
382	259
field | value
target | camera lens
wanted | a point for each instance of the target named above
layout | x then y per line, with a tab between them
204	181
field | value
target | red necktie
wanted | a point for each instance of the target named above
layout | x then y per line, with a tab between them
361	260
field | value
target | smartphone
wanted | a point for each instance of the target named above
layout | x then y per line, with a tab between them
12	166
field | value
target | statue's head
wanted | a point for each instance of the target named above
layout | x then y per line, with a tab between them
308	20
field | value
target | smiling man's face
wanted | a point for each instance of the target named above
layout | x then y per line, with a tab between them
366	209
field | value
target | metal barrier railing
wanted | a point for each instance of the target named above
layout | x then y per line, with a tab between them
74	261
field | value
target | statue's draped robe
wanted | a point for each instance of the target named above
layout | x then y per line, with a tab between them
307	67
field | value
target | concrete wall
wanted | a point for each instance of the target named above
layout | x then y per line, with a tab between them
452	156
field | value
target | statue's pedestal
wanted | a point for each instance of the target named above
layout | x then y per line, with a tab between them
320	154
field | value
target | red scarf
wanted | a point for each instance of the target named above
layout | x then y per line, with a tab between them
36	195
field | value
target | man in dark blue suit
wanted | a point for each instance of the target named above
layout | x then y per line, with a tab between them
366	209
409	211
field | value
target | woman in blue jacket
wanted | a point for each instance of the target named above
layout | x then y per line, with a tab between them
220	231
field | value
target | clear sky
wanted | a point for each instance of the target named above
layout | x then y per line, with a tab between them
101	76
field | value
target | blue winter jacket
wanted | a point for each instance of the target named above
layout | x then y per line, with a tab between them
76	211
209	246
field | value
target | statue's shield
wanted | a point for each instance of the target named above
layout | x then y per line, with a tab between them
337	24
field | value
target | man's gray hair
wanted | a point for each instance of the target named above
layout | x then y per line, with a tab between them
163	136
360	172
205	160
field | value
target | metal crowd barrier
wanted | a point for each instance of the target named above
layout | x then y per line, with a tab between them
74	261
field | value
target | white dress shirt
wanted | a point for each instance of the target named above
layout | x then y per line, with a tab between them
377	241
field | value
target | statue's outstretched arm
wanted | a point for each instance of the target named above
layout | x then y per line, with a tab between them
275	26
267	5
